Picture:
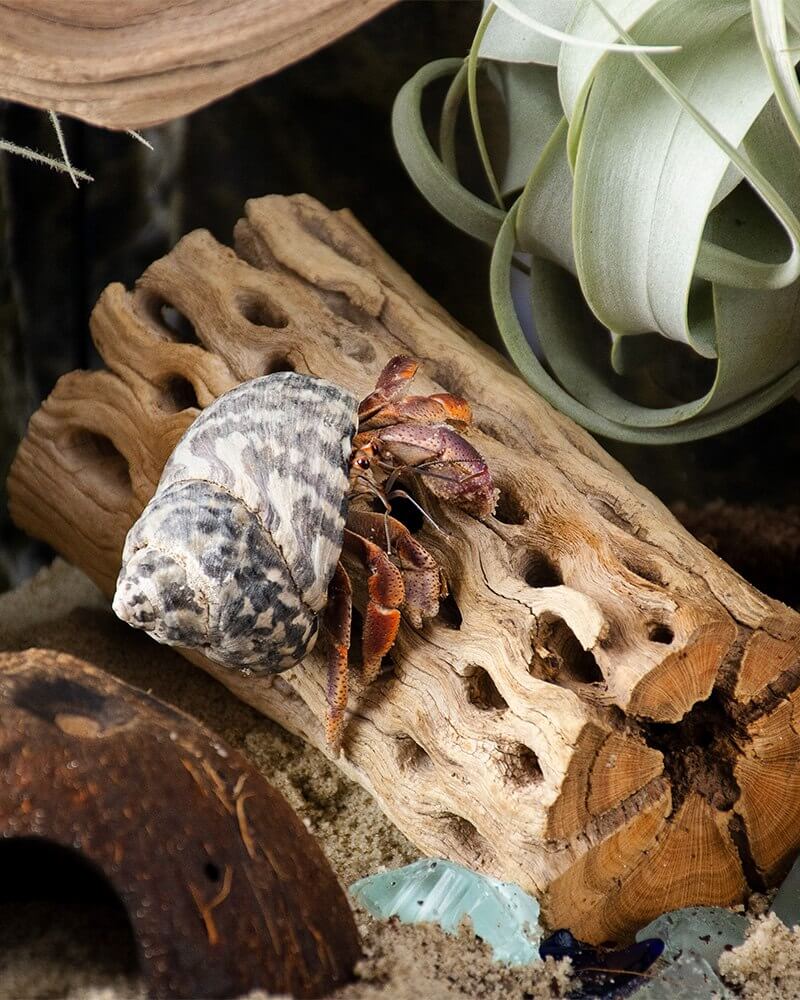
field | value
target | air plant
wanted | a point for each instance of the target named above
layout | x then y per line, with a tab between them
652	152
64	165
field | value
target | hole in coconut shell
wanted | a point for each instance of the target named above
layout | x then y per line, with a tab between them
42	883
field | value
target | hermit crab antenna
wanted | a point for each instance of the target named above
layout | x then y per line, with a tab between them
420	508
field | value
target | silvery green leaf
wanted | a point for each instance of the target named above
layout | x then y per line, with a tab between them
530	93
640	149
517	12
769	21
509	40
576	65
640	230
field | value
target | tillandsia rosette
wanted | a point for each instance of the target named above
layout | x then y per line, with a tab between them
650	184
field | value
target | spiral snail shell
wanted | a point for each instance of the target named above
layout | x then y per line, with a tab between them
234	553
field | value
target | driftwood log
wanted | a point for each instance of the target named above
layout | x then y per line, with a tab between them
167	813
137	63
604	711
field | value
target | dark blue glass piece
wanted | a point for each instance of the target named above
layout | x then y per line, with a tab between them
603	973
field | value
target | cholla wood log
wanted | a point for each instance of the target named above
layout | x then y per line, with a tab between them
137	63
604	711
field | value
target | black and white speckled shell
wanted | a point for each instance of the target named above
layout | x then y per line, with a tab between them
234	553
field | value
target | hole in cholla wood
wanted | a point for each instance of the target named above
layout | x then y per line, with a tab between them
279	363
510	508
519	764
261	311
557	654
661	633
482	691
540	570
169	322
411	756
467	836
450	613
99	458
177	394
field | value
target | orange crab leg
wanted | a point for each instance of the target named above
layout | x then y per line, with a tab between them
422	577
336	630
386	595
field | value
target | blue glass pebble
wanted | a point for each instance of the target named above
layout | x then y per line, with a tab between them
689	977
442	892
705	930
787	902
603	974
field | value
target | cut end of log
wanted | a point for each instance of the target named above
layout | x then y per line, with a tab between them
685	677
603	712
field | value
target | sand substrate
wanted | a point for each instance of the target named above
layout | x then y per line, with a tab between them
81	950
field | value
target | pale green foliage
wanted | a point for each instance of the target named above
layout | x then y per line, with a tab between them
662	190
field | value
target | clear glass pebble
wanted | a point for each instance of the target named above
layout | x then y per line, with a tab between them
689	977
705	930
441	892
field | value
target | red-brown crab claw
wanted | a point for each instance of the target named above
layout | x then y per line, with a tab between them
449	466
382	409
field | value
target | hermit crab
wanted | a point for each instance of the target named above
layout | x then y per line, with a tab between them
238	552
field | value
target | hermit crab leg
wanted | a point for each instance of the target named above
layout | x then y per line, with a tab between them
386	595
462	477
422	577
336	630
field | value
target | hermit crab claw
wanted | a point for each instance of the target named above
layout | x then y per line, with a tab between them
399	438
449	466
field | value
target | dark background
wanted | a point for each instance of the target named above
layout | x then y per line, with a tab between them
321	127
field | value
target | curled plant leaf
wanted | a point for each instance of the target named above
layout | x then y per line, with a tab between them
661	211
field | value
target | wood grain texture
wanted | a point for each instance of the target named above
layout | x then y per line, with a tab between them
141	62
603	710
225	890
